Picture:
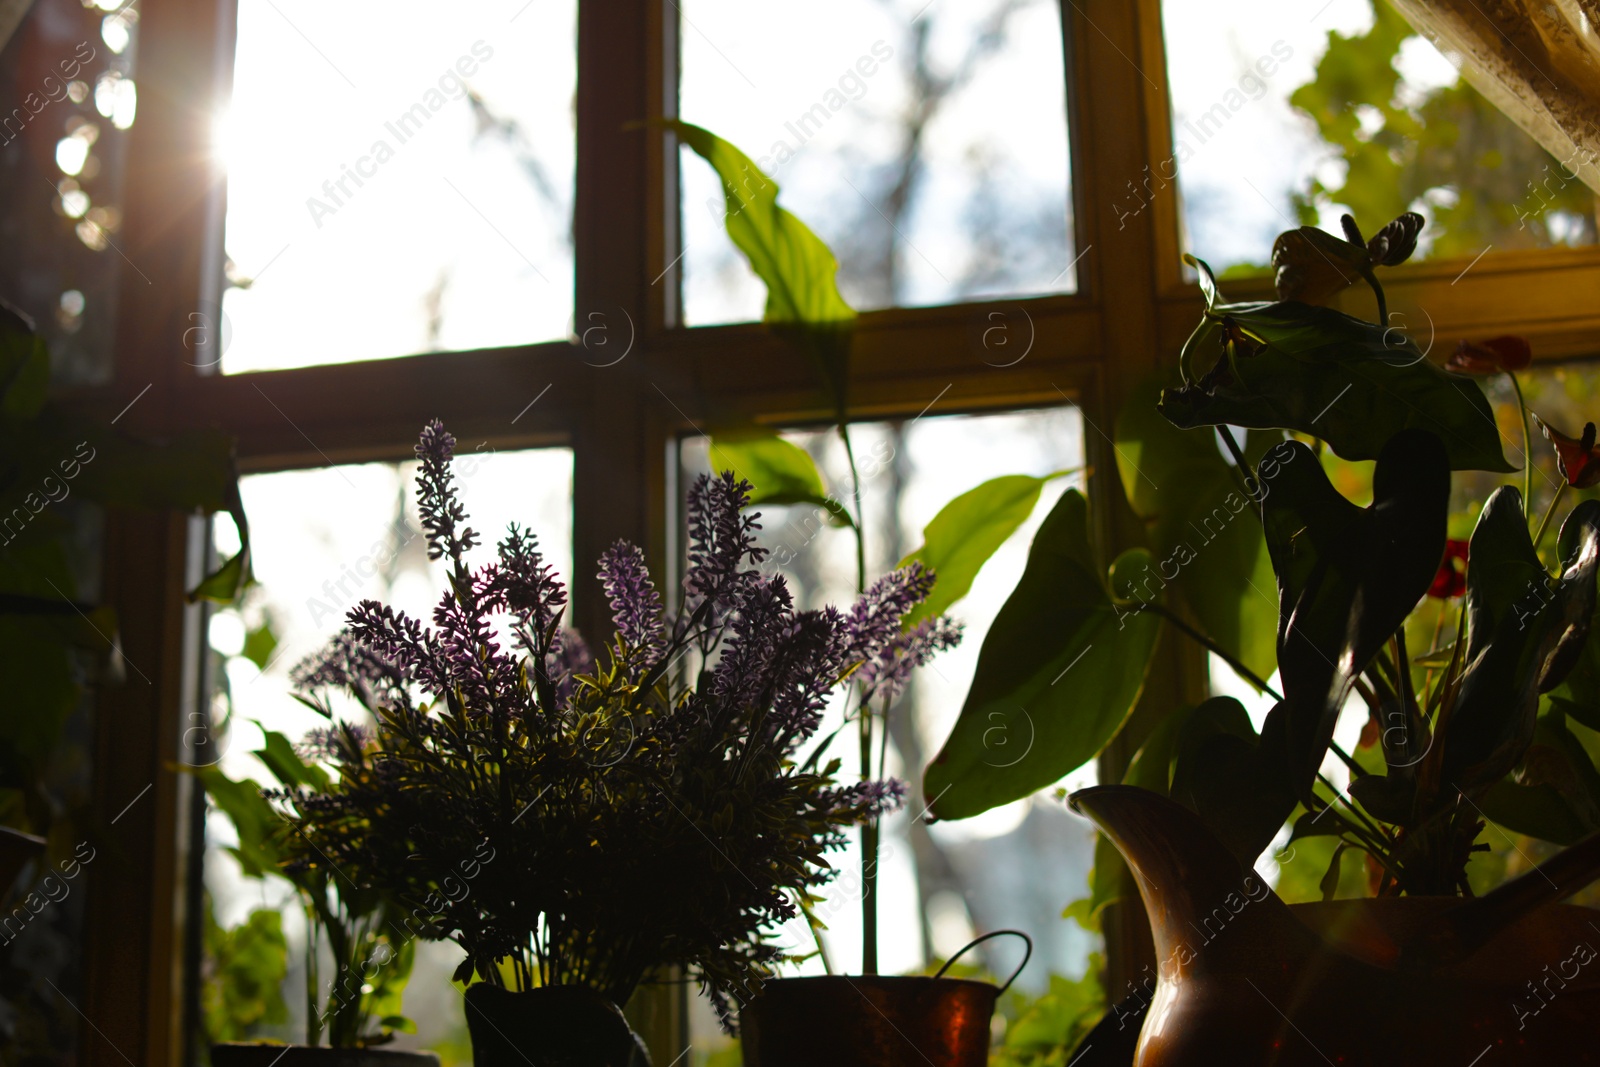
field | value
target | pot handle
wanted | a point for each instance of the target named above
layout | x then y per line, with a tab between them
975	942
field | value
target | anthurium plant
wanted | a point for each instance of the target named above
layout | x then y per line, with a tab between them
1471	659
588	818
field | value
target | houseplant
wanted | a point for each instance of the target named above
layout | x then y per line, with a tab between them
805	308
356	1005
576	822
1489	726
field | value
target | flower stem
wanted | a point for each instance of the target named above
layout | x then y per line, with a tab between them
855	492
1527	450
869	828
1211	646
1549	511
1377	290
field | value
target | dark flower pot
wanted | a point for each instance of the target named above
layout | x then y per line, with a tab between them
253	1055
846	1021
559	1026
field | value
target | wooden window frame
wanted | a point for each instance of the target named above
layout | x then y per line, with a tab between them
1130	314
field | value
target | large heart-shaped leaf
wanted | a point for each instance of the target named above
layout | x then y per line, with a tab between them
1557	796
967	532
1347	576
1525	632
780	471
1295	366
1057	675
1203	525
1237	782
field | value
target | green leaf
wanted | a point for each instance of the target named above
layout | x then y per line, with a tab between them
1525	631
1058	673
1536	810
253	818
1347	579
247	965
1204	529
967	531
1330	881
1325	823
259	644
799	270
780	471
1206	278
24	368
286	765
1321	372
223	585
1234	780
1151	766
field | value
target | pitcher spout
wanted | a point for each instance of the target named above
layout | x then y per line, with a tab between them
1208	913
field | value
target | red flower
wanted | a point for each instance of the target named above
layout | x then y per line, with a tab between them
1578	458
1507	353
1451	581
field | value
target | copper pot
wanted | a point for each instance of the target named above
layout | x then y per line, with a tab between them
873	1021
1511	978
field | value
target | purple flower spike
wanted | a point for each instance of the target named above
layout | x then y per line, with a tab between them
526	586
875	619
347	663
436	495
403	641
870	800
721	540
635	604
886	674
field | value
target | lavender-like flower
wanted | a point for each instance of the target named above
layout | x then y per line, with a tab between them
635	605
342	742
568	657
721	540
436	495
869	800
887	673
743	672
401	640
874	619
526	586
347	663
484	675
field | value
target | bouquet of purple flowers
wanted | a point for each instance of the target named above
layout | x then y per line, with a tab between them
575	819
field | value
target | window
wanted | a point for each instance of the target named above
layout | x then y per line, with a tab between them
399	181
1059	307
928	143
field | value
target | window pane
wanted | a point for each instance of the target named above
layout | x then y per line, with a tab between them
399	179
1293	114
927	147
322	541
939	883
